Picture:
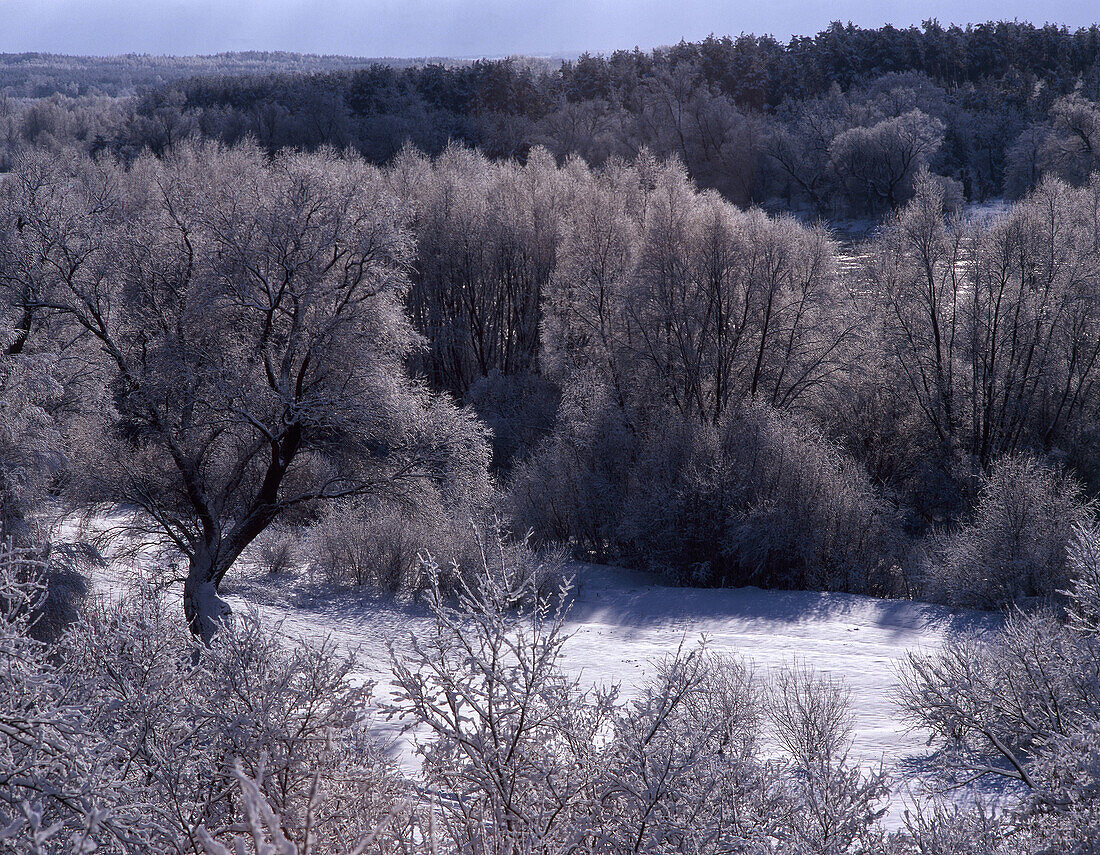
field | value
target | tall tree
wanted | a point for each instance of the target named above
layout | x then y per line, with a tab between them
249	321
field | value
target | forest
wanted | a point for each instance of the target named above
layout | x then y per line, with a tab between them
815	316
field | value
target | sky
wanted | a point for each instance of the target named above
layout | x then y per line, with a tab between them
463	28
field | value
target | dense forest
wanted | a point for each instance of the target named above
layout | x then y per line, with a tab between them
820	315
834	125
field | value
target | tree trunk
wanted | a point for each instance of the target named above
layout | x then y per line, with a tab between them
206	612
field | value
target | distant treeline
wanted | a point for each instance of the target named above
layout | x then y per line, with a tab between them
837	125
40	75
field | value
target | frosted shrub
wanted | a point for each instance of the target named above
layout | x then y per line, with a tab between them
808	516
519	410
1023	705
1015	544
124	737
941	828
1083	595
60	783
57	570
378	543
1004	697
183	714
760	498
267	833
811	715
514	741
278	550
526	759
371	545
838	803
536	573
684	772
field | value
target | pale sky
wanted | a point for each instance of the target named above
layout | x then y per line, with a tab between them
462	28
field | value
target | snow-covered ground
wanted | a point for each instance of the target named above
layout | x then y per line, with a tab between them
622	622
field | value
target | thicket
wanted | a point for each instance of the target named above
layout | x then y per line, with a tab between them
130	736
1020	707
725	395
661	378
124	736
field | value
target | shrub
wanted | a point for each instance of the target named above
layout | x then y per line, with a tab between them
60	777
67	588
277	551
533	761
518	409
378	543
811	714
760	498
513	737
179	716
126	735
370	544
1021	705
572	488
1015	544
268	835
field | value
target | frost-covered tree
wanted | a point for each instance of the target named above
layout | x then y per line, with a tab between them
987	332
877	164
247	315
1072	151
486	242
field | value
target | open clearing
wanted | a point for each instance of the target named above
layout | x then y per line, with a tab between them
622	622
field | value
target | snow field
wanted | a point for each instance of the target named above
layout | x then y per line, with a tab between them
621	623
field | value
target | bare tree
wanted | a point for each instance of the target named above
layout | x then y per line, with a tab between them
487	235
248	317
915	266
878	164
992	327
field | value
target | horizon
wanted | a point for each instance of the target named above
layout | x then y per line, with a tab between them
456	29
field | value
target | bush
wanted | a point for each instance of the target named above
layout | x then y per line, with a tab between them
535	762
268	834
1015	544
801	513
378	543
67	588
278	550
369	544
761	497
61	776
514	737
394	546
1021	705
175	718
812	715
